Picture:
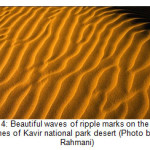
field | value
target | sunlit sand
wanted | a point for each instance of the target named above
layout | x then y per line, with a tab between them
73	62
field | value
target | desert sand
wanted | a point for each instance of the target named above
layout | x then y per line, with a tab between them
72	63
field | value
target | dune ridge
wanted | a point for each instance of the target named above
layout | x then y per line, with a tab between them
73	62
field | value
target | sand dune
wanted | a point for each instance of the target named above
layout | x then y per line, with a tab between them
73	62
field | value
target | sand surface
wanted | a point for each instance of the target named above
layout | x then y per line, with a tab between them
73	62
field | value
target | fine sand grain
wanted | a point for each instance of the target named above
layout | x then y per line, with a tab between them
73	62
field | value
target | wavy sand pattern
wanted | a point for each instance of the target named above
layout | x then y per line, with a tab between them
73	62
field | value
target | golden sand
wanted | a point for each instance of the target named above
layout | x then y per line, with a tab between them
73	62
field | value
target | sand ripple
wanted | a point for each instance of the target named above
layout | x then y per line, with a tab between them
73	62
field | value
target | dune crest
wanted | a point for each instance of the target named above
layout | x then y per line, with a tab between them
73	62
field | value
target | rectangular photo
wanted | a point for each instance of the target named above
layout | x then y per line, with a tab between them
74	62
